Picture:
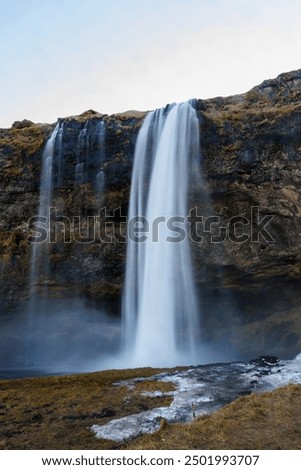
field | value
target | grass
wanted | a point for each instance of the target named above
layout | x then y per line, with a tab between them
58	412
26	141
269	421
246	110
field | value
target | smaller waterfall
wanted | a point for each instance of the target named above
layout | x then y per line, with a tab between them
90	153
100	175
82	152
160	310
40	250
101	135
79	173
100	181
60	161
84	165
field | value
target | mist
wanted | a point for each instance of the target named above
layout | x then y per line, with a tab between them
62	335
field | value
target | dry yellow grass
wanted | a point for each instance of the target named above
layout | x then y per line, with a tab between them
267	421
57	412
27	141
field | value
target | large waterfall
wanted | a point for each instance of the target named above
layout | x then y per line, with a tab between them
160	311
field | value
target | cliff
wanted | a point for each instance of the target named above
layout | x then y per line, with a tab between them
250	156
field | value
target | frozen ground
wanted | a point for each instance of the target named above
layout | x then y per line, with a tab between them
202	390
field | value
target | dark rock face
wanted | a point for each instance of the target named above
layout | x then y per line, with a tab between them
251	154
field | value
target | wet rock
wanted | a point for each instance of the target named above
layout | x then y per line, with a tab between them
265	361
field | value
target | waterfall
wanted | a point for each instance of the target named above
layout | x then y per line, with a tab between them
82	152
59	142
160	311
39	264
79	173
99	182
100	176
91	137
52	174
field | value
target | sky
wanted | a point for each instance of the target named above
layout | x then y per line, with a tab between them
62	57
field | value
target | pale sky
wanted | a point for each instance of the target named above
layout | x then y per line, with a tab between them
62	57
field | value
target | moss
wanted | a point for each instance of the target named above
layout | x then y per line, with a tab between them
13	171
232	147
245	110
12	241
5	259
125	116
24	141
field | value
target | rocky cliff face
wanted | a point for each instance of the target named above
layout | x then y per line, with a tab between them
249	278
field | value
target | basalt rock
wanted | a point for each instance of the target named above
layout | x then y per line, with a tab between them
250	275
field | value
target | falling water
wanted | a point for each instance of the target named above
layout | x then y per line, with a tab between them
82	154
89	153
39	256
100	176
60	161
101	135
100	182
160	310
90	137
39	263
79	173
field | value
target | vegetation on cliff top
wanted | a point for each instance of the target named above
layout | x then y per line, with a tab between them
23	141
